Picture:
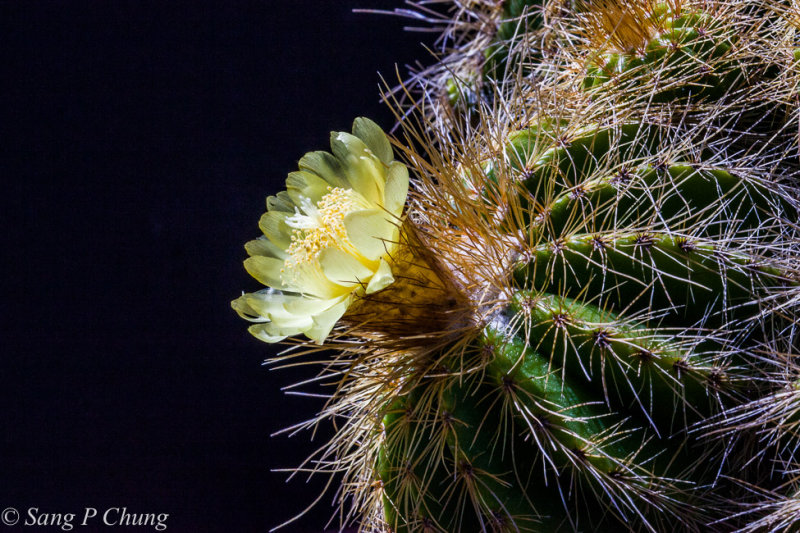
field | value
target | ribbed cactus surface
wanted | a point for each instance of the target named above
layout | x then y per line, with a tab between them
686	56
629	317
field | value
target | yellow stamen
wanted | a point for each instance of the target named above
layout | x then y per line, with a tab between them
327	231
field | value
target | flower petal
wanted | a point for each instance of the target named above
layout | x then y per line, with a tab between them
265	247
364	171
324	322
370	232
244	310
269	303
342	268
307	185
396	189
290	326
383	278
374	138
280	202
259	331
266	270
310	281
308	306
344	145
273	225
325	166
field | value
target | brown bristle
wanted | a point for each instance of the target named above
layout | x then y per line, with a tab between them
625	24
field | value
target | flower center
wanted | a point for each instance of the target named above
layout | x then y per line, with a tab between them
319	227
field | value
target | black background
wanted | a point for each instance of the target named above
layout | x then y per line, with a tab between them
138	141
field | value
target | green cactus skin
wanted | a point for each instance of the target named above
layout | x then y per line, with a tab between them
615	340
517	19
520	17
466	453
686	58
484	481
690	56
677	211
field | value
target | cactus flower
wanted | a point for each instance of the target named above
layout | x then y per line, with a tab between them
328	238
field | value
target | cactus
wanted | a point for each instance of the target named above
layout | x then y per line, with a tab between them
471	77
629	315
580	316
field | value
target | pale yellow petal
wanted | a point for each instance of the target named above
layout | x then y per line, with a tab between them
396	189
370	232
381	279
305	184
259	331
325	321
311	281
273	225
308	306
270	304
280	202
325	166
374	138
342	268
243	309
266	270
368	176
265	247
289	327
364	171
345	144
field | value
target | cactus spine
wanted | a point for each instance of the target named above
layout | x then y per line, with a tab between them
583	317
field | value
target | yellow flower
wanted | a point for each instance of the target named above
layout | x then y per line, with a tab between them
328	238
